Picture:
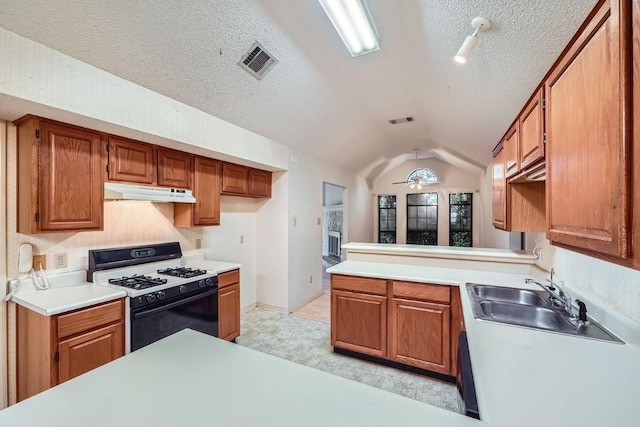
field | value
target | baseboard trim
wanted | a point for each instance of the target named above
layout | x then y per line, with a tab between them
392	364
272	308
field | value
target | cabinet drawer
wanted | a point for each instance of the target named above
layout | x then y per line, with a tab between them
228	278
359	284
89	318
422	291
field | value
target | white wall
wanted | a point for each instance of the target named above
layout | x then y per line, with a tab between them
38	80
272	246
618	286
235	240
454	181
307	176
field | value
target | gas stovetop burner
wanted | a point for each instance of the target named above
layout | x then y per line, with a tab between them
138	282
182	272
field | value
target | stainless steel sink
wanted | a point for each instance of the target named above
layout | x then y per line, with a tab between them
518	296
530	309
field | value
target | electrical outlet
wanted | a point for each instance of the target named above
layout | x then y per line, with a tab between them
39	259
319	221
241	239
61	260
198	243
310	279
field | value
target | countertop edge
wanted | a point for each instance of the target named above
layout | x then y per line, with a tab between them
67	308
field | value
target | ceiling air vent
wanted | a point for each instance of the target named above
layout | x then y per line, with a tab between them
257	61
402	120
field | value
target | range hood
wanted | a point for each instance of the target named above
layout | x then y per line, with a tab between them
115	191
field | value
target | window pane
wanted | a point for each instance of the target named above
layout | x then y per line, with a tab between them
460	219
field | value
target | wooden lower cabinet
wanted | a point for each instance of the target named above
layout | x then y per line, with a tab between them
415	324
419	334
88	351
54	349
229	305
359	322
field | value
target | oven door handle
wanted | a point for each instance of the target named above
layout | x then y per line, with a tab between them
144	313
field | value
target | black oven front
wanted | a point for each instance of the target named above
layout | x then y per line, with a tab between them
153	317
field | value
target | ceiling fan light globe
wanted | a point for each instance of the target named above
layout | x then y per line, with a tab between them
412	186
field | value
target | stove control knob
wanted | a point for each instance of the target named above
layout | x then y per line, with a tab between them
160	295
202	283
182	289
150	297
140	300
209	281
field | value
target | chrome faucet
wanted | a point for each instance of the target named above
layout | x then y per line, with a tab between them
556	292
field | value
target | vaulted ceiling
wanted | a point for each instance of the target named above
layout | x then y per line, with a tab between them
318	98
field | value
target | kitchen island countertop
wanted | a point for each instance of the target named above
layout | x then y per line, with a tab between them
192	379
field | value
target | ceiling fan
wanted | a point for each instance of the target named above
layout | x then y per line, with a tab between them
420	177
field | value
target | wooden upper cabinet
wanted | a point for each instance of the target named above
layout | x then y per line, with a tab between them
259	183
174	168
588	135
206	190
131	161
234	179
499	201
512	152
60	177
531	124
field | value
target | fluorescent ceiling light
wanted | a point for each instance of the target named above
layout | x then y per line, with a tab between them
354	25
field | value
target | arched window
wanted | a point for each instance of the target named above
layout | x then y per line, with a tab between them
425	175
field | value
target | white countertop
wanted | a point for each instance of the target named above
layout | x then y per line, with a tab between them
69	291
214	266
192	379
448	252
527	377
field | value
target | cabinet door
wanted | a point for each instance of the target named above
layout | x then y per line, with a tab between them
234	179
531	123
419	334
229	312
259	183
512	152
131	161
359	322
71	179
499	204
206	187
206	190
89	351
174	168
588	159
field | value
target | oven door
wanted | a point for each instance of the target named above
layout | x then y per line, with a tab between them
198	312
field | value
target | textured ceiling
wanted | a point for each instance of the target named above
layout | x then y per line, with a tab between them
318	98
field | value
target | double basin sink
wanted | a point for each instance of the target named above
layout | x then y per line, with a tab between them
530	309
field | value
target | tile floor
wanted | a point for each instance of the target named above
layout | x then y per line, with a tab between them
307	342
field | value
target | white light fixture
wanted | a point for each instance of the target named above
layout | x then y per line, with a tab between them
354	25
479	24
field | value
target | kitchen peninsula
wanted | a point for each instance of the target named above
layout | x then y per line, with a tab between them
594	382
192	379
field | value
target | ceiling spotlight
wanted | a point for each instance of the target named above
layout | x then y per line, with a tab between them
478	24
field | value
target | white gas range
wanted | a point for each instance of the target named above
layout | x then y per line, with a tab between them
163	296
